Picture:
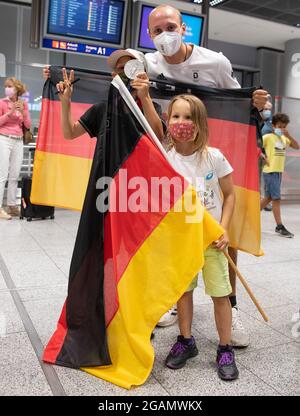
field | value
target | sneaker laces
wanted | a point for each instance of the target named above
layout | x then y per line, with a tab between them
226	358
178	348
173	311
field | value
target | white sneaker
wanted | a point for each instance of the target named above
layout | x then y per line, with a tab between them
239	337
4	215
169	318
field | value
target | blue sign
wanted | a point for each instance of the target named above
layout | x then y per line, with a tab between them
66	46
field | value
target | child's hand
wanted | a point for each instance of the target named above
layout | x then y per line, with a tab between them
65	87
285	132
141	85
265	159
222	243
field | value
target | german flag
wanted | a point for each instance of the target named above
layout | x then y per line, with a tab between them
233	124
129	265
62	167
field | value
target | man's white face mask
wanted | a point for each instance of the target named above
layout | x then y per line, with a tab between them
168	43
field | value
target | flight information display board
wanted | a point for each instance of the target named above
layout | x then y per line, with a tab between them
92	20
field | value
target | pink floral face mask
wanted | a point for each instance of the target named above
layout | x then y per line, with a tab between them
182	132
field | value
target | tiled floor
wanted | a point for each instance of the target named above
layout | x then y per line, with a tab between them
34	266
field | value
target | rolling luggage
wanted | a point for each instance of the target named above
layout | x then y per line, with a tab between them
29	210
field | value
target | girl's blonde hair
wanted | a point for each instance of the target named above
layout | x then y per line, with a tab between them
199	118
19	86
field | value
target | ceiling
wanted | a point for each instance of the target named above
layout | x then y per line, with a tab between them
246	30
280	11
258	23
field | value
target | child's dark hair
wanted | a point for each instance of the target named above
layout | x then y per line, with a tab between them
280	118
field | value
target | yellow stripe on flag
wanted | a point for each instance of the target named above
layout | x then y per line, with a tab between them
60	180
245	230
156	277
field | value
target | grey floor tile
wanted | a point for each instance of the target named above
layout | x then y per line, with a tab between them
21	374
10	319
266	297
34	262
278	366
63	262
42	277
45	314
79	383
47	292
3	286
284	319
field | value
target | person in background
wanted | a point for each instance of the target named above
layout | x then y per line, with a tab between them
183	62
266	115
267	128
14	115
275	145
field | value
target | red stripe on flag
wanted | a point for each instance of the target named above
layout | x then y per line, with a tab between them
237	142
50	137
56	342
125	232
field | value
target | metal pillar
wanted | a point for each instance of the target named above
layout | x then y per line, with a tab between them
205	10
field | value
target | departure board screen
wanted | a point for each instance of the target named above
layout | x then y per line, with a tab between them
96	20
194	28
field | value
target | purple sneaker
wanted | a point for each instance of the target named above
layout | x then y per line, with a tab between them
227	369
181	352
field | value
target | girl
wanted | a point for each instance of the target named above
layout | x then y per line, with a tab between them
191	156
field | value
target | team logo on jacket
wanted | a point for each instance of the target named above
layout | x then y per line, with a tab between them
162	77
209	176
196	75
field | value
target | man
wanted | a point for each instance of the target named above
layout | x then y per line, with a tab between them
267	118
188	63
90	121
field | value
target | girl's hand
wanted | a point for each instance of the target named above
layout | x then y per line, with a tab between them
64	87
222	243
141	85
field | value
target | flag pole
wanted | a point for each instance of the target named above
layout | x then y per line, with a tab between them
244	283
119	84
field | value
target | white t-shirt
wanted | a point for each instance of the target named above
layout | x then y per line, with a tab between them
204	173
204	67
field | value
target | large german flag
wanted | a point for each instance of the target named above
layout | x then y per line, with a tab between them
233	124
61	167
132	262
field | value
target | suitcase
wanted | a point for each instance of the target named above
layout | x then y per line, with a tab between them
29	210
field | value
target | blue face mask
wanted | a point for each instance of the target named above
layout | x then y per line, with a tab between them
278	132
266	114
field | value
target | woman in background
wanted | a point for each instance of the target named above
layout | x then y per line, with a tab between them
14	115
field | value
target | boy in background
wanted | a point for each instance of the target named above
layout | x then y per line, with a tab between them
275	145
